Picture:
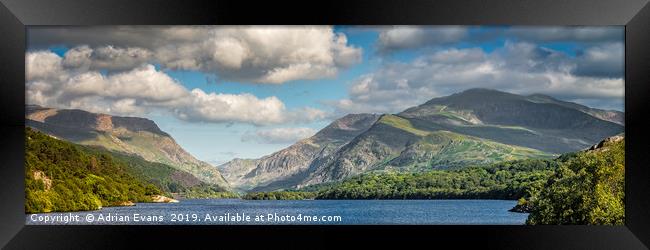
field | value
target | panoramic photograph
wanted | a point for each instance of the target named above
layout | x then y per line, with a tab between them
312	125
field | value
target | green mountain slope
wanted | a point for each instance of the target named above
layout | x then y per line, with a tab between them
607	115
128	135
535	121
61	176
393	143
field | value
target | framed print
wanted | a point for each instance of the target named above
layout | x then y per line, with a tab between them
513	124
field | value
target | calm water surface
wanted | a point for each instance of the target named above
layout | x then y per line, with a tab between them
236	211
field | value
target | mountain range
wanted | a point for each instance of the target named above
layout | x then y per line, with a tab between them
475	126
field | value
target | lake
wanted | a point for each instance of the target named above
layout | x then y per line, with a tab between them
297	212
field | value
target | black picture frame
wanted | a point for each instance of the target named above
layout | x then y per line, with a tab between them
16	15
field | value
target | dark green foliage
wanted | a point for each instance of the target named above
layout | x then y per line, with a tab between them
506	180
156	173
281	195
171	180
61	176
587	189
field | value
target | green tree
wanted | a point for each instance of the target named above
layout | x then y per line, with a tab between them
587	189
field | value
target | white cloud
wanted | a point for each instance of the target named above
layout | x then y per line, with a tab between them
264	54
43	65
411	37
213	107
144	89
254	54
144	83
279	135
517	67
243	108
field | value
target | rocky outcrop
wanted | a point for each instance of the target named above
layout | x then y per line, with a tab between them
40	176
38	113
104	123
162	199
125	204
521	208
602	145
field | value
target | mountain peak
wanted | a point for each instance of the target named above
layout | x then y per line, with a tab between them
81	119
481	90
484	91
474	95
353	122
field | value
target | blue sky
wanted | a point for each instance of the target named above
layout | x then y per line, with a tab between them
249	91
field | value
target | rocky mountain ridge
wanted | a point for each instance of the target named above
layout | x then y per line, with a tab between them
475	126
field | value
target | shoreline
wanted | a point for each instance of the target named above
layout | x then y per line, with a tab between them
155	199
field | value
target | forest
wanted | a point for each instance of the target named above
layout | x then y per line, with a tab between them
61	176
506	180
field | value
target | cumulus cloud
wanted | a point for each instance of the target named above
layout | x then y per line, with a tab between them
410	37
264	54
522	68
278	135
53	83
144	83
43	65
216	107
244	108
252	54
